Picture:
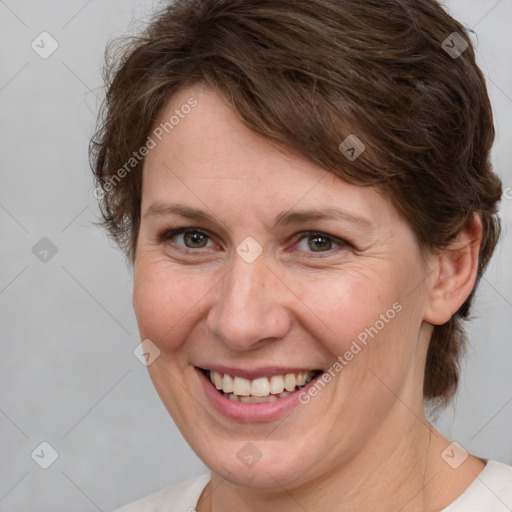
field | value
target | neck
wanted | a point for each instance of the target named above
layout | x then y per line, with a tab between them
398	469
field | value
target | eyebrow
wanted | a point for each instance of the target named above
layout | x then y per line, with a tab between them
284	218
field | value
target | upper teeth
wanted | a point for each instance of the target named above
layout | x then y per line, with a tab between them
260	387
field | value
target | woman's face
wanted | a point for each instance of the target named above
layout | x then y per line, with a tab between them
277	271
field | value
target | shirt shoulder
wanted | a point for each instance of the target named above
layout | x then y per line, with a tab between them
179	497
490	491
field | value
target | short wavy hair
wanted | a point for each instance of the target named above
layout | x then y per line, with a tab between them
400	75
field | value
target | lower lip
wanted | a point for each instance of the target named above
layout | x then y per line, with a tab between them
251	413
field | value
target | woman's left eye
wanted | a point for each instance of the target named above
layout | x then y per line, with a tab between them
319	242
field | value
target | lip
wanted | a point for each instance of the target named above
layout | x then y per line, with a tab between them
251	413
255	373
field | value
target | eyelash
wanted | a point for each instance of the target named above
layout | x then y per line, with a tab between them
167	234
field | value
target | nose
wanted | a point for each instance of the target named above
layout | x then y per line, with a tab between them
249	310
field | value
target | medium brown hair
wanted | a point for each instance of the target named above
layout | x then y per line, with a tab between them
306	74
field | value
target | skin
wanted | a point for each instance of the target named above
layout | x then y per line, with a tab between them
363	443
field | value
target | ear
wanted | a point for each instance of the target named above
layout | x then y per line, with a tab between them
456	272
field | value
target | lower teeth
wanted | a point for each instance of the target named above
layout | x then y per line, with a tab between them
256	399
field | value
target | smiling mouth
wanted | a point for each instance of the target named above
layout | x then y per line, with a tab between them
260	390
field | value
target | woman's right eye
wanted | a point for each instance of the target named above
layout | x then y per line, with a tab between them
190	238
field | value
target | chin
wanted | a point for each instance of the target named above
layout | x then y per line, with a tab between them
263	464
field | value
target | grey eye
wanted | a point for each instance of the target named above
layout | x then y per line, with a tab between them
190	239
317	242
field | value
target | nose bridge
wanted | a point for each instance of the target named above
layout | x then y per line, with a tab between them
248	309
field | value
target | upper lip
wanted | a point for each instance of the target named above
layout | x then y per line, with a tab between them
255	373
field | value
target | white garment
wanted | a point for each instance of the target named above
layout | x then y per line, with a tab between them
491	491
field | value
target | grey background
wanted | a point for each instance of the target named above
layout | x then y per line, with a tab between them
68	373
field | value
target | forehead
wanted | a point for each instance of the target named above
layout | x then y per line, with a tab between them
205	155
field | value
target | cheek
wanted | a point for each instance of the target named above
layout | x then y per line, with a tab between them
164	303
346	305
368	320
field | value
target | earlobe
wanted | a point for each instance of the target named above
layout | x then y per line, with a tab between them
456	273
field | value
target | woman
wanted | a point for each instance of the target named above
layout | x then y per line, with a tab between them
304	190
